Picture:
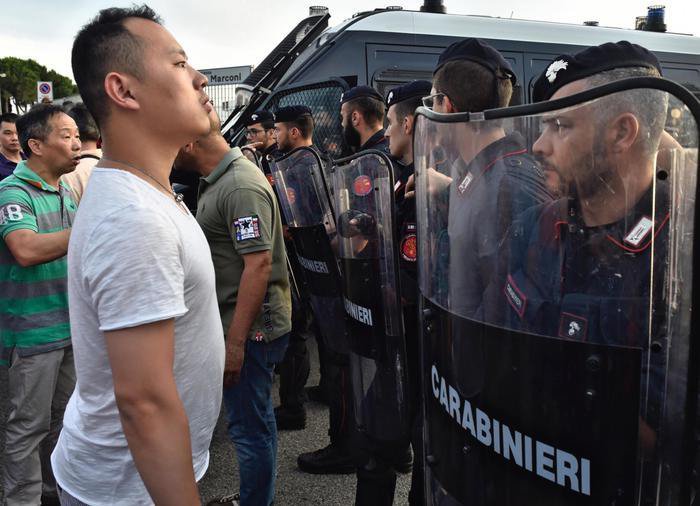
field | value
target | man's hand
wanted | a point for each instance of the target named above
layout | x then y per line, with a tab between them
253	146
235	352
437	182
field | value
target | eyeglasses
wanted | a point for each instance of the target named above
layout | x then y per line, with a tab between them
429	101
251	132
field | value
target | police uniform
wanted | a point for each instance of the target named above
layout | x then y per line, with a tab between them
502	180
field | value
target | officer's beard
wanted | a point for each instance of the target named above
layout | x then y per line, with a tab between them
597	177
351	137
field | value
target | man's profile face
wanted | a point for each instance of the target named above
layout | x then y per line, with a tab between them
171	97
395	132
350	134
569	147
9	141
256	133
282	136
61	149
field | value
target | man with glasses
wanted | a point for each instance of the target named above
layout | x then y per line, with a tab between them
491	172
260	134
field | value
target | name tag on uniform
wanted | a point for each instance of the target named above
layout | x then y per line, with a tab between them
465	182
639	232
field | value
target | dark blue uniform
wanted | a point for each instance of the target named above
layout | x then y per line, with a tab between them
486	195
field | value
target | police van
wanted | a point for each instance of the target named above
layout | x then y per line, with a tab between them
385	47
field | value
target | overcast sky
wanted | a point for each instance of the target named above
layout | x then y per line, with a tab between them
222	33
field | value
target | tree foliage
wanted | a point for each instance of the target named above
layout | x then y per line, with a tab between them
22	76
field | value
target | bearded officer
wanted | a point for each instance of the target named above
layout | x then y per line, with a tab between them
362	113
582	267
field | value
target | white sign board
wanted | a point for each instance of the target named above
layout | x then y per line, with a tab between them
44	90
227	75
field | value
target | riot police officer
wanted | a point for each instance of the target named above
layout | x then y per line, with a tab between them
401	103
572	382
491	173
362	113
260	137
602	249
293	127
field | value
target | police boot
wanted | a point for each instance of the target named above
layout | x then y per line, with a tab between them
333	459
376	484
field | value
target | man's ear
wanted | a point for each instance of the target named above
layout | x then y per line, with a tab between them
36	147
623	132
408	122
355	117
449	106
119	89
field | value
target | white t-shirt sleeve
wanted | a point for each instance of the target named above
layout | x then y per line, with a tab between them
133	269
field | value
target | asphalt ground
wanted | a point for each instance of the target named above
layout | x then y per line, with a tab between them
293	486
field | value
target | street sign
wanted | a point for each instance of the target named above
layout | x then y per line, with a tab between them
44	91
227	75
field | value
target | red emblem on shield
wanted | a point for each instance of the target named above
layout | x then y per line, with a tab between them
291	196
271	179
409	248
362	185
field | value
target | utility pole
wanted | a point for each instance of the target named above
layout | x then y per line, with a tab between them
2	102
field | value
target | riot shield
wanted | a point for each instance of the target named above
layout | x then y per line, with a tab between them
557	360
306	207
364	204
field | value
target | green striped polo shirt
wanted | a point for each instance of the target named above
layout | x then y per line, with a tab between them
33	300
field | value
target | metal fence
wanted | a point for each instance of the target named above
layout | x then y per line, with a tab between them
324	101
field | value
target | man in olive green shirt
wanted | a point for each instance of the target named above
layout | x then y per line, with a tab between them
238	213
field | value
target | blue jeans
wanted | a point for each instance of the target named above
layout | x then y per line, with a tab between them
251	421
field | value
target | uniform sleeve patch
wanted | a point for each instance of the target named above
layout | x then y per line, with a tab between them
247	227
516	298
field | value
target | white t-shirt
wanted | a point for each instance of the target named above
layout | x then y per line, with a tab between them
134	258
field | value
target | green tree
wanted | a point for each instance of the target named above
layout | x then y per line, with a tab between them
20	81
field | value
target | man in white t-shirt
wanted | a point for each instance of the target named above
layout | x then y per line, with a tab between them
147	337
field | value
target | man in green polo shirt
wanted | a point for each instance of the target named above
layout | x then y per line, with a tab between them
36	213
238	213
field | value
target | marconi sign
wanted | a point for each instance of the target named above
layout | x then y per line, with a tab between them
227	75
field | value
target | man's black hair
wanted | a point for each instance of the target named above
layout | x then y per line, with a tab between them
105	45
86	123
305	125
35	124
470	86
407	107
8	117
372	110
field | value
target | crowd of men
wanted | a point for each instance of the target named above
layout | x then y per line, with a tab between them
126	321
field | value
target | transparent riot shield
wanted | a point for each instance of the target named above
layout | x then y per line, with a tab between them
364	204
556	254
304	200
